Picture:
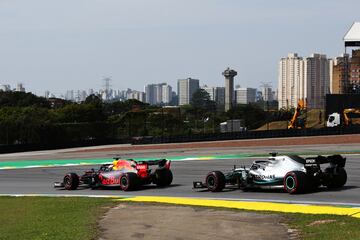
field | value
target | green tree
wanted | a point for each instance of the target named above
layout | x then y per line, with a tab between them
199	111
21	99
201	101
76	113
121	107
93	99
24	124
252	114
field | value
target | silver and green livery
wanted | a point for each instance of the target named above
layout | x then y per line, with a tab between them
292	173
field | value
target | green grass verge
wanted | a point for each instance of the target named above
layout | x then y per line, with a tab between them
327	227
50	218
76	218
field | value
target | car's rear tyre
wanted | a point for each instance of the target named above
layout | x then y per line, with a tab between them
129	181
215	181
71	181
336	180
295	182
163	177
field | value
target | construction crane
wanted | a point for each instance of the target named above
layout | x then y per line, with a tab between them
296	122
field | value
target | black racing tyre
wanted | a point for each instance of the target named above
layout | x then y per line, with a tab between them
71	181
129	181
215	181
313	183
295	182
163	177
336	180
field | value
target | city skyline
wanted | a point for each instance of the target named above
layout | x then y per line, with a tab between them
64	45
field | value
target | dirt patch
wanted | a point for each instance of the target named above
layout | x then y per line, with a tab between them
320	222
144	221
338	139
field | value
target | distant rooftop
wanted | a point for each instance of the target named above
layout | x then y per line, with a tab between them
352	37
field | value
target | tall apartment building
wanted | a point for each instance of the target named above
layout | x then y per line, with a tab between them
186	88
307	79
69	95
133	94
151	92
5	87
20	88
245	95
167	94
346	73
217	94
291	83
267	94
158	93
338	70
80	96
317	80
354	78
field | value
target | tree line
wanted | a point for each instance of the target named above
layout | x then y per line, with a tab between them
28	119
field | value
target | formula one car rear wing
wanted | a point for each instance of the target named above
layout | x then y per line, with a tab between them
159	162
333	159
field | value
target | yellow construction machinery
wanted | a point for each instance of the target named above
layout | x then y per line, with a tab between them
347	120
296	122
335	119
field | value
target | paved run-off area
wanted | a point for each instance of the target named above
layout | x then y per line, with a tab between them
164	222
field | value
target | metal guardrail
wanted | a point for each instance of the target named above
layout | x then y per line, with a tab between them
186	138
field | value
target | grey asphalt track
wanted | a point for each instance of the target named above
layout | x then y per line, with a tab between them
76	153
40	181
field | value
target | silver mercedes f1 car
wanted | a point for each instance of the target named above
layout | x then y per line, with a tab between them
291	172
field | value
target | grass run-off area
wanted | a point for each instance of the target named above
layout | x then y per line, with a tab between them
324	227
76	218
50	217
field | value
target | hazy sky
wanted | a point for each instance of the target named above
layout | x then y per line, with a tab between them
72	44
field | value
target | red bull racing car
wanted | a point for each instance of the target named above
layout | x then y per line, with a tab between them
124	173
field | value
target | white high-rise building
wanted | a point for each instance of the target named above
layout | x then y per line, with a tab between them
20	88
267	94
133	94
291	81
166	94
186	88
69	95
47	94
245	95
217	94
124	94
158	93
307	79
5	87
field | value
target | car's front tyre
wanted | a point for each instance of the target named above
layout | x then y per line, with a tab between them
71	181
215	181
